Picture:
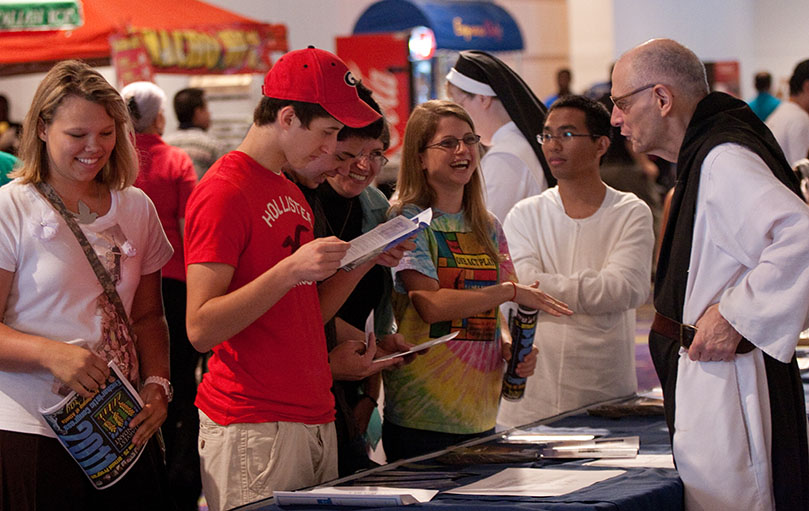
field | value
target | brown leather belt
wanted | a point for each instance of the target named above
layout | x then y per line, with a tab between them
684	334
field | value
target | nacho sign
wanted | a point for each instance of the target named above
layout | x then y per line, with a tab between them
228	49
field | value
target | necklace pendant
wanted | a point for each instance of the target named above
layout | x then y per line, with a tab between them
85	216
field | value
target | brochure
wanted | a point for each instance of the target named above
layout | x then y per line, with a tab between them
519	436
360	496
95	430
616	447
384	236
420	347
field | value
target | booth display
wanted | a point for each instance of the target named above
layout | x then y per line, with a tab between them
184	37
402	49
648	481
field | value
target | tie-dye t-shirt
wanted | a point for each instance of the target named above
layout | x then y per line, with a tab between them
455	387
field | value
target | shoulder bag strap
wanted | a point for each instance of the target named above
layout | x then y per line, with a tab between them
103	275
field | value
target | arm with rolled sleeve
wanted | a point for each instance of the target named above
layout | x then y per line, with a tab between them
763	226
622	281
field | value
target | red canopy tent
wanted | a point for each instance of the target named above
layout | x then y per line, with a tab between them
184	25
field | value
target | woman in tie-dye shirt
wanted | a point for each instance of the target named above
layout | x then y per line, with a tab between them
455	279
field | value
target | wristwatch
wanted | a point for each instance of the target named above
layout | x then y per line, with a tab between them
163	382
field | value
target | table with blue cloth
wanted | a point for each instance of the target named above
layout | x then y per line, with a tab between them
637	489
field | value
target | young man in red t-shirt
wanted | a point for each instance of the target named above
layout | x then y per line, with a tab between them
266	412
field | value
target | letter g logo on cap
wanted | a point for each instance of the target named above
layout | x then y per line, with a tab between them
349	79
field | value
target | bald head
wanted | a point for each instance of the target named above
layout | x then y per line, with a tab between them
668	62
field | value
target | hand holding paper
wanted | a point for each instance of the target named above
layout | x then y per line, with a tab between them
420	347
384	236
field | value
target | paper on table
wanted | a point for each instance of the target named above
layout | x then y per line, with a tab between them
642	460
598	432
536	482
419	347
363	496
530	437
655	393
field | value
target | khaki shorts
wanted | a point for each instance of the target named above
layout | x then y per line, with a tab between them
242	463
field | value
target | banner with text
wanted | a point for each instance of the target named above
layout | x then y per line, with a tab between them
237	48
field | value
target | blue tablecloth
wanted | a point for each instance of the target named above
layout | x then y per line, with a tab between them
639	489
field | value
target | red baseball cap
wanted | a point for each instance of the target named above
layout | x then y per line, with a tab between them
317	76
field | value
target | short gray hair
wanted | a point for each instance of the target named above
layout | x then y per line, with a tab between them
671	64
145	100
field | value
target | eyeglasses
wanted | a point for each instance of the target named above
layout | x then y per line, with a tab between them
377	158
545	138
452	143
619	102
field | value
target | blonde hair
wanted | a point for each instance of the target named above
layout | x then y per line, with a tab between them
412	186
75	78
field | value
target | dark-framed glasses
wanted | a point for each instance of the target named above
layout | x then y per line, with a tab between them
620	101
545	138
452	143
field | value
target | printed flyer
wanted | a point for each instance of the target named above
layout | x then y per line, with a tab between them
95	430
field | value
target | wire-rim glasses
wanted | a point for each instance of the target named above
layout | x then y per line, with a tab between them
545	138
374	157
452	143
619	102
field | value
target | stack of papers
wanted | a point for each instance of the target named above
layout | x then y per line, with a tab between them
641	461
618	447
519	436
362	496
536	482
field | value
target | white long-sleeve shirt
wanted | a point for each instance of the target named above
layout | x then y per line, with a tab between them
601	267
789	124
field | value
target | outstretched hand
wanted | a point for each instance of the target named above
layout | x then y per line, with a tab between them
532	297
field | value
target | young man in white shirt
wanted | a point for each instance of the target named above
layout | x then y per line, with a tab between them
591	246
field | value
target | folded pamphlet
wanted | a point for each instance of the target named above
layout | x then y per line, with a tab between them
384	236
420	347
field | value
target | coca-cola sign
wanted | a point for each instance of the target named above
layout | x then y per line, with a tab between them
380	61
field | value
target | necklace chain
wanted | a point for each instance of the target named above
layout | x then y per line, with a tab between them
345	222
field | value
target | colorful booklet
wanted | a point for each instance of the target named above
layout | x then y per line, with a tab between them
95	430
383	237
